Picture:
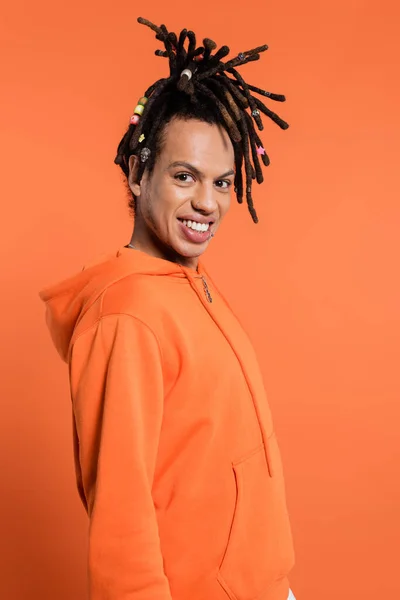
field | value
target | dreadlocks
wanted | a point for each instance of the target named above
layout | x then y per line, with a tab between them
203	87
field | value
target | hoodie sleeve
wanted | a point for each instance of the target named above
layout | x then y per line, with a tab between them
117	394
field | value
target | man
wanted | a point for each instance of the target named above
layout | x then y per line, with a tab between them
176	457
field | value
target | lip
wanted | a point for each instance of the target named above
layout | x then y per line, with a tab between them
196	237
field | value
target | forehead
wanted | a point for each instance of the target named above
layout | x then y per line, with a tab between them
205	145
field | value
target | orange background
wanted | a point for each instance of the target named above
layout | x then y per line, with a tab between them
316	282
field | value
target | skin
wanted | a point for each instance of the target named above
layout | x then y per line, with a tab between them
202	186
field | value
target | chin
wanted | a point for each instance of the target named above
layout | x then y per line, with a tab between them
190	250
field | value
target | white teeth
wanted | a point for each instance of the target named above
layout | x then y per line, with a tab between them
197	226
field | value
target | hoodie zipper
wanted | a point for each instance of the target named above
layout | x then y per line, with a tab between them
206	290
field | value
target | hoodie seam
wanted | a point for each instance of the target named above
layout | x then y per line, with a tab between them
117	314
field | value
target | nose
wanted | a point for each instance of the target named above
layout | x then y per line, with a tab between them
205	200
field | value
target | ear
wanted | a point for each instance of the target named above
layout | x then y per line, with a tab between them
134	184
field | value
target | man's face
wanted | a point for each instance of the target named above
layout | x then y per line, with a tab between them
188	193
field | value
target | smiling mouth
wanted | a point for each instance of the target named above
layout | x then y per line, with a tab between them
200	227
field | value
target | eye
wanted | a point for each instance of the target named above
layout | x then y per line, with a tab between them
224	184
184	177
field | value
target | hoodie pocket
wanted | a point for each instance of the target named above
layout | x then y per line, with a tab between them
259	550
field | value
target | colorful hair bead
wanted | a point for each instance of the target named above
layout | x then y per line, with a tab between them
141	138
139	110
137	113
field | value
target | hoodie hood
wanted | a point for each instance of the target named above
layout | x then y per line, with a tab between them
67	301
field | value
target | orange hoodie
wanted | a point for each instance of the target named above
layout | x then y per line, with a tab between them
176	459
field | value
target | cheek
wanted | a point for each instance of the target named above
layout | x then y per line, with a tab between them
151	195
161	200
175	194
171	199
149	208
225	204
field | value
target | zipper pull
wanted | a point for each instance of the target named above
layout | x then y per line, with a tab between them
206	290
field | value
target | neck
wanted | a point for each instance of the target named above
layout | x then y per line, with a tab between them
154	247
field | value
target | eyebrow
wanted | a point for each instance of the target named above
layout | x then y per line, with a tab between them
187	165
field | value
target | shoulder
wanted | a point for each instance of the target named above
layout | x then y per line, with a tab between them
135	297
138	295
130	313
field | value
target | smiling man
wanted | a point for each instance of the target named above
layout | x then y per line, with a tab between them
176	457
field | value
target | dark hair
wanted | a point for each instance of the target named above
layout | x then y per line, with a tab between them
204	92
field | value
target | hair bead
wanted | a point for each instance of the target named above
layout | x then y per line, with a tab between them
145	154
139	110
188	73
